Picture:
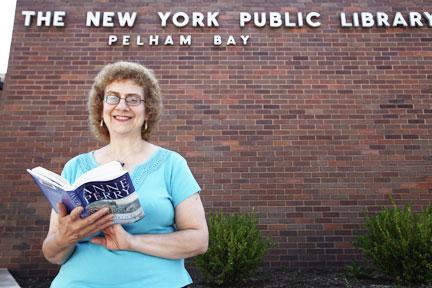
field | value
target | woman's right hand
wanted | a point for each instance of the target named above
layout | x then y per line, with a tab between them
66	230
71	228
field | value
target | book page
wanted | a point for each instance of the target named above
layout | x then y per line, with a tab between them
51	177
103	172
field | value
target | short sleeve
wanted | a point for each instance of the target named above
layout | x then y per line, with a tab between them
182	182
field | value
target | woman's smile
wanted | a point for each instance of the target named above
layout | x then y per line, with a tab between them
121	118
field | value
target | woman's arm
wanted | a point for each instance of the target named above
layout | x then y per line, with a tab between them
66	230
190	239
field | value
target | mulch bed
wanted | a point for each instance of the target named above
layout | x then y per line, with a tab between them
271	279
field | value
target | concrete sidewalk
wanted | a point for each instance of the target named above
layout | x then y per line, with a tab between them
6	279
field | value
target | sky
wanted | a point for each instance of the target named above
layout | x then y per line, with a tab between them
7	14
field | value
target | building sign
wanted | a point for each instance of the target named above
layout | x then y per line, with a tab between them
199	20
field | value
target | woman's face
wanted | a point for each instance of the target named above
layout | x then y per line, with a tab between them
123	120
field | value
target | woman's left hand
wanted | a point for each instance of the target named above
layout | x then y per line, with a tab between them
115	238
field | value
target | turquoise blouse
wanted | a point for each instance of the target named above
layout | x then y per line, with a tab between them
162	183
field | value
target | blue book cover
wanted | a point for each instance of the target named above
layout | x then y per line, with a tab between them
108	185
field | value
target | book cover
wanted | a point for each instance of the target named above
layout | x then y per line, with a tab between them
108	185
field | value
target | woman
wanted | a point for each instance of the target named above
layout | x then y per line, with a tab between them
124	107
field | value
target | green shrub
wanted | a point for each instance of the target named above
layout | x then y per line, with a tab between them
356	271
399	244
236	249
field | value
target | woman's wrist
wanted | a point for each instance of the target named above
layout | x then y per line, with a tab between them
131	242
62	243
56	250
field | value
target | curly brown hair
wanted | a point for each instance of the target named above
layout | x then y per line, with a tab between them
124	71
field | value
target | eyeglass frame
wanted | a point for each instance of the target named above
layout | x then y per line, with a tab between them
122	98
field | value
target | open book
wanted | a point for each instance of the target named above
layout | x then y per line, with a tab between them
107	185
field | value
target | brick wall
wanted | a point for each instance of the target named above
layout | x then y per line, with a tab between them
311	128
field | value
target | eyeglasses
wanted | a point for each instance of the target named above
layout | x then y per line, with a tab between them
131	100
